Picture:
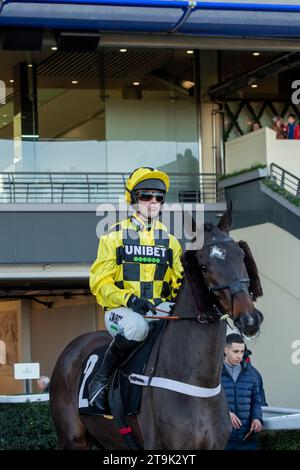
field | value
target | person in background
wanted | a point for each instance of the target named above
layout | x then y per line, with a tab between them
43	383
255	126
279	127
241	386
293	129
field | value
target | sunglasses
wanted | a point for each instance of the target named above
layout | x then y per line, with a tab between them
147	196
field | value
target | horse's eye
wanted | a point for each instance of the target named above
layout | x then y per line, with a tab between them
204	268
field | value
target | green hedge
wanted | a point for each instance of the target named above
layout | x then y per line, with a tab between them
280	440
282	192
255	166
26	426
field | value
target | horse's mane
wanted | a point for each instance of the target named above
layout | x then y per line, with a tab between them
255	284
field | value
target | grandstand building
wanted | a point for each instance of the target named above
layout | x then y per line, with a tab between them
90	90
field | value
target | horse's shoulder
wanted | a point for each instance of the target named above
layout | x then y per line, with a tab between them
96	338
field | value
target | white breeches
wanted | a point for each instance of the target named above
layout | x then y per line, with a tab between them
130	324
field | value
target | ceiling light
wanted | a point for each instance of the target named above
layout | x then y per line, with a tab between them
74	82
256	53
11	81
4	115
29	65
5	123
254	85
123	50
30	136
136	83
54	48
190	51
187	84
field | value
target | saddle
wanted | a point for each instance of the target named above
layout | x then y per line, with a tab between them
122	395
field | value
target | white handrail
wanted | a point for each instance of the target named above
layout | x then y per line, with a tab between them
277	423
33	397
280	411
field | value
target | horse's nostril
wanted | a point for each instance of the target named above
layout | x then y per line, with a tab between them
260	316
248	324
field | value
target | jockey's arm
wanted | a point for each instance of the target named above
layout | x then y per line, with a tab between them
177	268
102	275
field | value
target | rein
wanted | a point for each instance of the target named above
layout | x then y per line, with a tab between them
201	318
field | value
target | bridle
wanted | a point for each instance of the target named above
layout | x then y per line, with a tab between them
235	286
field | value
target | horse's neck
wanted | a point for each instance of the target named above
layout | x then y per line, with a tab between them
191	351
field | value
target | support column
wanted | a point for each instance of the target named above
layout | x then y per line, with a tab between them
25	116
198	105
211	119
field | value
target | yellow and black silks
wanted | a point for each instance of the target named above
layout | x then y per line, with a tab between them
133	260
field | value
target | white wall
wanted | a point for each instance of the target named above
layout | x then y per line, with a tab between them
285	153
262	147
245	151
277	254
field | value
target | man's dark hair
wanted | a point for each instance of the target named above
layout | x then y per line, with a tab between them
292	116
234	338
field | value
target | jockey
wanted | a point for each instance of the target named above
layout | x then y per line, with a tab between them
138	267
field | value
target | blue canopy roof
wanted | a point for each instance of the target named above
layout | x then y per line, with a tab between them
279	18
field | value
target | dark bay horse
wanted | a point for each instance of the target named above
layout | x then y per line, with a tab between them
221	278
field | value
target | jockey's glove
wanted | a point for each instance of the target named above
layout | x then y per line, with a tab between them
140	305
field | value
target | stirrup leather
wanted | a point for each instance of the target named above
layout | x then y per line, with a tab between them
91	401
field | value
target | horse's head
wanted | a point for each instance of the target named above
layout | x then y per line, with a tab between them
229	272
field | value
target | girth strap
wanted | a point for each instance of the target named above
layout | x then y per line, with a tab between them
174	385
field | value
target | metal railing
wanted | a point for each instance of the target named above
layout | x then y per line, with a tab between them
276	419
58	188
284	180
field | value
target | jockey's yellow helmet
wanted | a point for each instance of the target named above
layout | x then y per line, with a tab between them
146	178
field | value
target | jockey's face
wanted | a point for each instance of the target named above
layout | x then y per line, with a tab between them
149	203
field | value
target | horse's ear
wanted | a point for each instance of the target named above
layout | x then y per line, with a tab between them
226	219
255	285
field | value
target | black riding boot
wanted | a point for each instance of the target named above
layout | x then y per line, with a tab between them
116	353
